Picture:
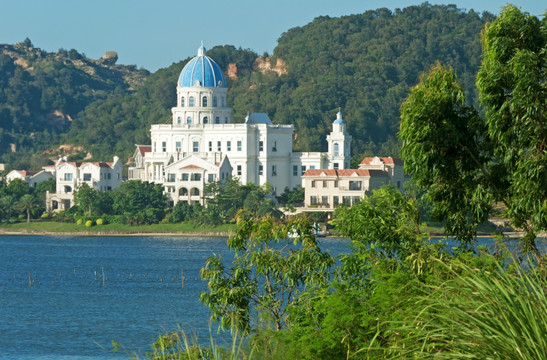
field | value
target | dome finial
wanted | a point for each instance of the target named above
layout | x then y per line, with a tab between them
201	50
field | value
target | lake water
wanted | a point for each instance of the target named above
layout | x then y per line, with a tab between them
55	302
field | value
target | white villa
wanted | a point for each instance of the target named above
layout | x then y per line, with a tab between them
32	178
202	145
327	188
102	176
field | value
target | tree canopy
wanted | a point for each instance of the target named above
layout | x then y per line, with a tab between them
466	162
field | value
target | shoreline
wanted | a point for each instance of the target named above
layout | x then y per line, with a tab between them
4	232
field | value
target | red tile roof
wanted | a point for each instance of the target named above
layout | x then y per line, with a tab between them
344	172
144	149
386	160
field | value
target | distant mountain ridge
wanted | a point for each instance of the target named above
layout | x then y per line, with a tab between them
363	64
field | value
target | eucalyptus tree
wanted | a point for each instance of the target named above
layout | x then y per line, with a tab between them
466	162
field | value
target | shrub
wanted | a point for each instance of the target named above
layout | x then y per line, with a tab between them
45	215
80	222
99	221
89	223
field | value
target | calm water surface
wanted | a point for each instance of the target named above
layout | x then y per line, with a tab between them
55	302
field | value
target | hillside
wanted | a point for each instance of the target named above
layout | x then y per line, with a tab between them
363	64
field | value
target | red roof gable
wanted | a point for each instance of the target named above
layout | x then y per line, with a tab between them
386	160
191	166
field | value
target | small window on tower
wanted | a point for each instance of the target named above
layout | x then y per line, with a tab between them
336	149
205	120
215	101
204	101
182	101
191	101
189	120
217	120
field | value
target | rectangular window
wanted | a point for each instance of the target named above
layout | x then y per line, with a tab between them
228	145
87	177
260	170
195	177
219	146
239	145
335	200
68	176
274	146
335	166
324	200
109	176
178	145
163	146
303	169
324	183
261	145
211	177
274	170
185	177
355	185
109	188
171	177
195	147
313	183
312	167
295	170
313	200
210	146
335	183
239	170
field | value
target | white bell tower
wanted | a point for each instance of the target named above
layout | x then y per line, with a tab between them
339	153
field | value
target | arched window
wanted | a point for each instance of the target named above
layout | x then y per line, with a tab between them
179	120
205	120
215	101
336	149
182	101
191	101
183	192
204	101
194	192
217	120
189	120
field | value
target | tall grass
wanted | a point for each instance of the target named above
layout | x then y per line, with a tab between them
178	346
499	314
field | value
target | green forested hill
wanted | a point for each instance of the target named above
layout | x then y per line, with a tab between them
363	64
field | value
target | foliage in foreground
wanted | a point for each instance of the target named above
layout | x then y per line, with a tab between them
466	162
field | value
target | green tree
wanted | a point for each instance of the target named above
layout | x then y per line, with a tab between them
86	197
267	275
467	163
7	207
27	203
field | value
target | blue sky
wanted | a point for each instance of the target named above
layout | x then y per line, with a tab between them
155	34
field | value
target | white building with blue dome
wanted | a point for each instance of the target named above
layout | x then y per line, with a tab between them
202	144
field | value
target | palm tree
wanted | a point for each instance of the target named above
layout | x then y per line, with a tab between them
27	203
6	207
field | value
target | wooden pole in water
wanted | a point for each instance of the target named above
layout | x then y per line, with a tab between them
103	275
182	279
29	280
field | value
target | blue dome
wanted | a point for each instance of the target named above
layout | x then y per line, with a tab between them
339	119
202	69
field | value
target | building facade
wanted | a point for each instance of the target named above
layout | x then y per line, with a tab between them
257	151
102	176
325	189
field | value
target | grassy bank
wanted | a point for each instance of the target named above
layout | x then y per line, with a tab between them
114	229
